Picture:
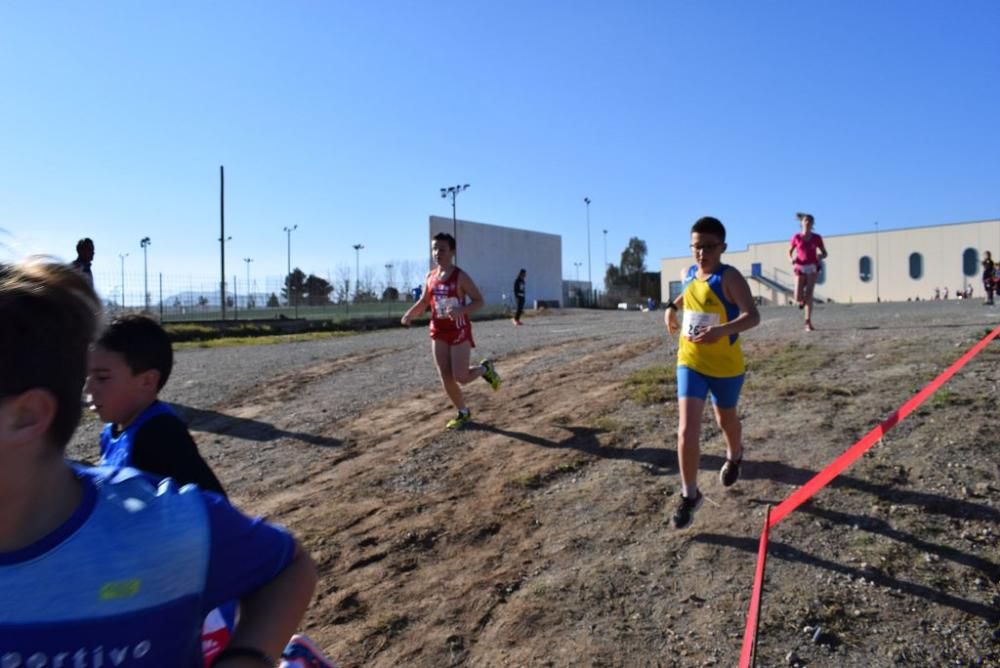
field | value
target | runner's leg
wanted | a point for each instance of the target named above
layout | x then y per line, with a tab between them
807	293
442	358
688	434
461	370
732	430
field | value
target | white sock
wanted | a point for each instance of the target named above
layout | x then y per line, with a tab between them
689	492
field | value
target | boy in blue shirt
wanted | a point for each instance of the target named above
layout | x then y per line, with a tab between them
129	366
106	565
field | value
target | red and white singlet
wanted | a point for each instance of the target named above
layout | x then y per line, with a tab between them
444	294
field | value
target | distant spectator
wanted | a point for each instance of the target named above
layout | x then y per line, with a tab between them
519	295
84	256
944	295
989	277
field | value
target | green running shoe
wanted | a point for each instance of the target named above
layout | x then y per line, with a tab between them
459	420
491	376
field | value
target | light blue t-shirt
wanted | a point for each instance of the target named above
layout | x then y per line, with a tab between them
129	578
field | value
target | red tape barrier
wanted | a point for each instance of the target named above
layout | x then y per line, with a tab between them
823	478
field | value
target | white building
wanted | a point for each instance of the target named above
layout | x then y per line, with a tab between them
493	255
891	265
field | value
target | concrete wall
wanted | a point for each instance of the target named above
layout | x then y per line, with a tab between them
492	256
940	247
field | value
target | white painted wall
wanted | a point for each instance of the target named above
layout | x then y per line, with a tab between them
492	255
941	248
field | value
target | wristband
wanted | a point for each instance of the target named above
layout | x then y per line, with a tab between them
671	305
240	652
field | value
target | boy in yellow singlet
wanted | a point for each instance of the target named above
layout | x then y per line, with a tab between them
717	306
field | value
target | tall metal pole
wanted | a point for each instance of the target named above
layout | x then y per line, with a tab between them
144	243
288	275
577	265
590	275
453	191
248	260
605	250
222	241
878	297
357	270
122	257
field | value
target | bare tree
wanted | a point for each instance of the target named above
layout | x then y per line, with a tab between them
342	286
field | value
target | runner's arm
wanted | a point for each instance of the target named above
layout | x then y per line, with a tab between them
467	287
419	307
737	290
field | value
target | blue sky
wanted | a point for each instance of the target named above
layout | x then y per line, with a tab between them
346	118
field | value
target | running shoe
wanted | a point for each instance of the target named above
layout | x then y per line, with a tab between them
684	514
300	652
730	472
459	420
809	326
491	376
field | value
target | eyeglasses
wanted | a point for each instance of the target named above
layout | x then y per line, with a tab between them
705	247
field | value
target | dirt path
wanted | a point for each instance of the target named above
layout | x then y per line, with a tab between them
539	536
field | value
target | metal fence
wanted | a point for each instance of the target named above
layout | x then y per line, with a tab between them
189	298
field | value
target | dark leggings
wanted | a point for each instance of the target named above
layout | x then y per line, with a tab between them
520	308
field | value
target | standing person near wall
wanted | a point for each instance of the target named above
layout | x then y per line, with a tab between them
452	296
989	277
519	295
806	254
84	257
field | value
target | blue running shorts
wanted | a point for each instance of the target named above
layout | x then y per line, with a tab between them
694	385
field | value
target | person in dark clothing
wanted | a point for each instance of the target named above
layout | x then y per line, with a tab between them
84	257
519	295
129	365
989	277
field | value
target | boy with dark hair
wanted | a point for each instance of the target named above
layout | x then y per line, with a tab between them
129	365
452	295
106	566
717	305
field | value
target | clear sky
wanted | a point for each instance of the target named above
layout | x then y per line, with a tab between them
346	118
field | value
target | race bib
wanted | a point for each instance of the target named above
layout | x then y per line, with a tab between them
695	321
441	306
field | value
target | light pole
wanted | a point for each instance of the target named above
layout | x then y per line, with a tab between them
453	191
590	275
577	265
122	258
288	275
388	276
144	243
248	260
878	297
605	251
222	241
357	270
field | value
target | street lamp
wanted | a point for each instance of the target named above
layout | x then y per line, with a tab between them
248	260
577	265
388	276
288	274
144	243
878	297
357	269
453	191
590	276
122	258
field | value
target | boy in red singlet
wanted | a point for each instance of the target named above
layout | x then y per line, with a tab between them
806	253
452	296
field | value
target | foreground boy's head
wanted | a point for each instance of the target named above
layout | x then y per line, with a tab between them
129	365
48	317
708	243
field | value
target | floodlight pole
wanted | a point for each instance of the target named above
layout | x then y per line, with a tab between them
590	276
357	270
288	275
122	258
222	241
453	191
248	260
878	268
577	265
144	243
